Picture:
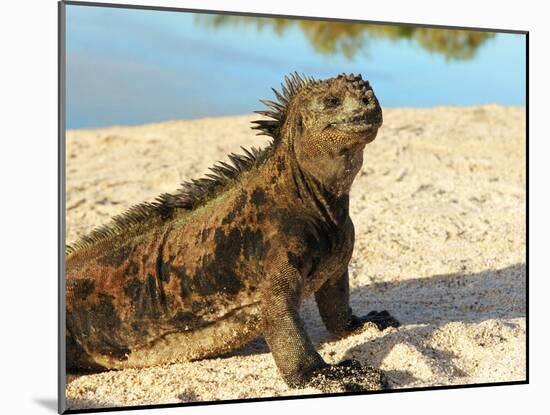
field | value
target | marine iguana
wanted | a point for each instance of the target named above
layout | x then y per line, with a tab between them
229	257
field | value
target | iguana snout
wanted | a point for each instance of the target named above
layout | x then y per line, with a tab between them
357	108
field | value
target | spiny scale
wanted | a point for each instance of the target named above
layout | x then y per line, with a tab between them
190	195
293	84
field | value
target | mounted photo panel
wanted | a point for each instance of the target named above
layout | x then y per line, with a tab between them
258	207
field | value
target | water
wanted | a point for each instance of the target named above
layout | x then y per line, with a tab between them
137	66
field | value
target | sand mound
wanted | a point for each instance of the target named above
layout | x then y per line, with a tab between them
439	212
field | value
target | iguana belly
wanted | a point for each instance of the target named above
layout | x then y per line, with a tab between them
221	336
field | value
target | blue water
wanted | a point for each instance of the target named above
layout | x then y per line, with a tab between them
137	66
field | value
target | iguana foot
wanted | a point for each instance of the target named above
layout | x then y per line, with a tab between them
347	376
381	320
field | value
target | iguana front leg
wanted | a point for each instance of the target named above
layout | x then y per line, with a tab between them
293	351
333	302
283	329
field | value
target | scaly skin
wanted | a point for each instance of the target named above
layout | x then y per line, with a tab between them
200	274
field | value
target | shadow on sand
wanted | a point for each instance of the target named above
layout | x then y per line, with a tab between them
426	304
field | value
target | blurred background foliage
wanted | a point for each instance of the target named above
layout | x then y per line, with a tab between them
350	39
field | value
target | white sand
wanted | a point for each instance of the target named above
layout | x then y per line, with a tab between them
439	211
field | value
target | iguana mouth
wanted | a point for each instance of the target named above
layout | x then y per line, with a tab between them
359	123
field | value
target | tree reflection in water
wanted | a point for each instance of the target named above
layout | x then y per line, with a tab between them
350	39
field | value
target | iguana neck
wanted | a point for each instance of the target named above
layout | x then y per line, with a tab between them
304	191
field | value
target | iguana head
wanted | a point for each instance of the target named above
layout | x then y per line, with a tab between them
326	124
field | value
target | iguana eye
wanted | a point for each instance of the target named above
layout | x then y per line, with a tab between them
332	101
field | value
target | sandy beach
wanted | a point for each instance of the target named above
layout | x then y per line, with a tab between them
439	214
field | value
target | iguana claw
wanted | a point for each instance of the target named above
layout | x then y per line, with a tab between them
381	320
